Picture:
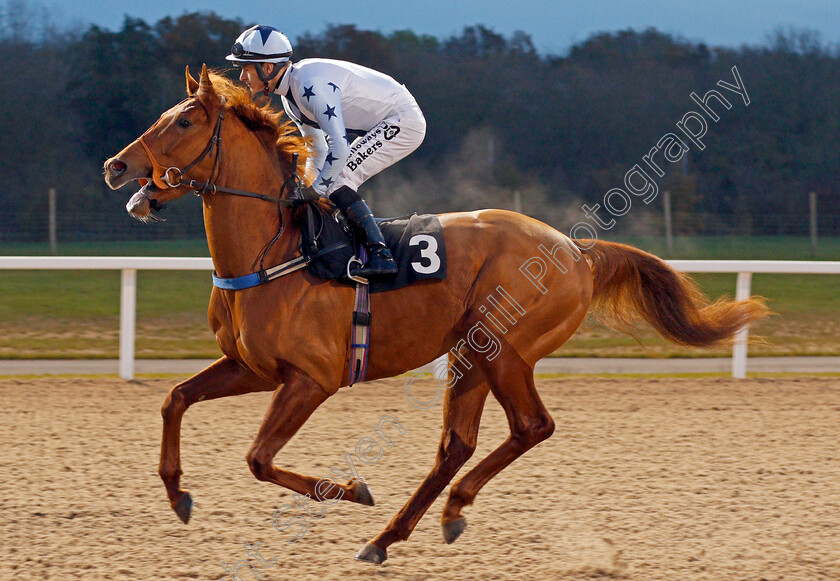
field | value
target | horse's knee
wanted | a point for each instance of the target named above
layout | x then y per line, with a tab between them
174	405
260	466
542	429
536	430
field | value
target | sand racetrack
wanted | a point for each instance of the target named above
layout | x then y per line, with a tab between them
644	479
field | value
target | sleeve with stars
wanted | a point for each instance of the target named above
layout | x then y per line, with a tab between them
317	149
322	99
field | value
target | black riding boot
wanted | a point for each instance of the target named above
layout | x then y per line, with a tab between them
380	262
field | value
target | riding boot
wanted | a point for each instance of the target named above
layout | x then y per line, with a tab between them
380	262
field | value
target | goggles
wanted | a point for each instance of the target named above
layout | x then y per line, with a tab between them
238	51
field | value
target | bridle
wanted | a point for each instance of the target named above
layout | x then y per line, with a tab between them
173	177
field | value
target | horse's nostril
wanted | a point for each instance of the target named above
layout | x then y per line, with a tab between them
117	167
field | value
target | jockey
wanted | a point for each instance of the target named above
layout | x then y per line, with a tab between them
359	122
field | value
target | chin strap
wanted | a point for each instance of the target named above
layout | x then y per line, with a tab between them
266	79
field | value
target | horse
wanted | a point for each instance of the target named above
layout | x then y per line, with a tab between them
290	336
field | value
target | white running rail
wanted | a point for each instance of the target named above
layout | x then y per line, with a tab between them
129	265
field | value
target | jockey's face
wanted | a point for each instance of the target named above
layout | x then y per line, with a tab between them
249	76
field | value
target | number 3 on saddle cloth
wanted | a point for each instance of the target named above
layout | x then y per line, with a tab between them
416	241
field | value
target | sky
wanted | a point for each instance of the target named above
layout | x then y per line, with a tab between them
554	26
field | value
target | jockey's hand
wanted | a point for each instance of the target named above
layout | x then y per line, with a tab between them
309	193
290	188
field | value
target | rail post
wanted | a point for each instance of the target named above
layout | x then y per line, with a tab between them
743	289
812	203
52	222
128	316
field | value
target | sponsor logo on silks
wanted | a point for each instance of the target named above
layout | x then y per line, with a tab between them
358	157
361	142
391	131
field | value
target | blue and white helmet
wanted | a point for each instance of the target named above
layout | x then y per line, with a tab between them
260	44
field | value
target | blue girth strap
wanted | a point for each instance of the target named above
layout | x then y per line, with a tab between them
360	334
260	277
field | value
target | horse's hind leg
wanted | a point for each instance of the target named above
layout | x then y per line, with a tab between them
290	407
223	378
512	382
462	407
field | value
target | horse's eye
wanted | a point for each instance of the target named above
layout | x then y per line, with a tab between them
184	123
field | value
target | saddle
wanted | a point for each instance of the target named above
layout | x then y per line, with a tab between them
331	247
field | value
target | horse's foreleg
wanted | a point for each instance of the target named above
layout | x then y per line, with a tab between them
290	407
463	405
223	378
512	382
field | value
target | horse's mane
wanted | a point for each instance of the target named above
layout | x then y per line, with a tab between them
271	126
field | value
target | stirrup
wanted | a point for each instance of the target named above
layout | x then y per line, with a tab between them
358	279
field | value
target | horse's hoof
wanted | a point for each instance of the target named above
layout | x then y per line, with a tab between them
363	495
183	508
453	529
370	553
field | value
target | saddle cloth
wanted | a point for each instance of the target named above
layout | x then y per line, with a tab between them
416	241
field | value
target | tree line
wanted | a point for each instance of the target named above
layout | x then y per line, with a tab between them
561	130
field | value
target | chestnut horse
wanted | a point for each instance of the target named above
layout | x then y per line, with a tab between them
290	336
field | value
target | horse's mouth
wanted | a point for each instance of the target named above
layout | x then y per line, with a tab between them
143	202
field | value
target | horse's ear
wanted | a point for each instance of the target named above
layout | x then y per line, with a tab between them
205	86
192	84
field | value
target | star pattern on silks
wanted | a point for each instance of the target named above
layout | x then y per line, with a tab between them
326	182
334	86
307	92
330	113
329	159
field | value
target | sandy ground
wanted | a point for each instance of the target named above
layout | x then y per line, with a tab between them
644	479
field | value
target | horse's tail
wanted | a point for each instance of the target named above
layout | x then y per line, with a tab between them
630	282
